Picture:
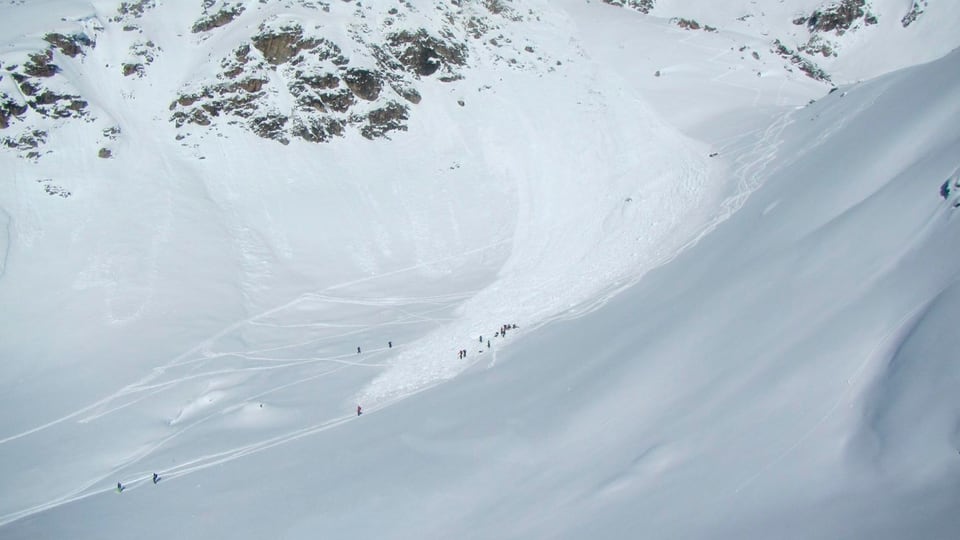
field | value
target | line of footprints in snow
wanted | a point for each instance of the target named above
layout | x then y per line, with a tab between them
461	354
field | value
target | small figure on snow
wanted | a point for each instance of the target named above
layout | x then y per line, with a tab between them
488	343
156	478
481	339
358	350
359	410
119	487
390	344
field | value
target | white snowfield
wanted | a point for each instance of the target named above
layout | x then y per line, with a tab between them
736	291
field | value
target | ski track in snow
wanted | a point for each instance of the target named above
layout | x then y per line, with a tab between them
748	174
750	169
150	386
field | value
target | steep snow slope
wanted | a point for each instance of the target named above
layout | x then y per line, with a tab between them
787	377
851	39
166	293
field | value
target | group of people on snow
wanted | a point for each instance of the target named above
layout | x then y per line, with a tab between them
121	487
462	353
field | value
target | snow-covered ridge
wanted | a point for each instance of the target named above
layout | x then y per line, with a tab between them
280	69
316	69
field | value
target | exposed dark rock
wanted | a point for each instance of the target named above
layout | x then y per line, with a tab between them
381	121
424	54
916	9
216	20
340	101
318	130
69	45
49	187
408	93
10	109
643	6
133	69
26	141
812	70
135	9
39	65
319	82
838	17
364	83
251	85
279	46
270	126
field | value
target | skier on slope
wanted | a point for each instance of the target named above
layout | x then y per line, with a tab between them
359	410
156	478
119	487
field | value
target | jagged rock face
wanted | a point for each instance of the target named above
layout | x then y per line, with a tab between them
365	84
643	6
424	55
216	15
34	78
317	75
835	19
804	65
838	17
916	9
69	45
370	88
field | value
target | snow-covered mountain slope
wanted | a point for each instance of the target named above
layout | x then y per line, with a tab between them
690	362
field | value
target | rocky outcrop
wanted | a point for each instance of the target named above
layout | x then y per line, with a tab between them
384	120
423	54
10	109
330	94
811	69
827	24
53	189
135	10
215	16
690	24
27	143
643	6
365	84
838	17
142	54
916	9
72	45
37	96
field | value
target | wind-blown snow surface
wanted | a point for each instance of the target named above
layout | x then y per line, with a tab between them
790	374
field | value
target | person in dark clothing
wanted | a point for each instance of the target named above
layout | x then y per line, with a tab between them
488	343
390	344
358	350
359	410
119	487
156	478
